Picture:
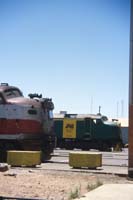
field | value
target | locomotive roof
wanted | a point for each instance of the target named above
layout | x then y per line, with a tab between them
78	116
6	87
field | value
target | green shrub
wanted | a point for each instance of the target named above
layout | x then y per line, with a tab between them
75	193
94	186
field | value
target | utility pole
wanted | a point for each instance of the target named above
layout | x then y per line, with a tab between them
99	110
117	111
130	133
122	108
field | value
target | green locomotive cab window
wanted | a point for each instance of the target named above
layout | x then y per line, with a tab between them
99	122
94	121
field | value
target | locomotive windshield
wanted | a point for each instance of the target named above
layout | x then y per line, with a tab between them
12	93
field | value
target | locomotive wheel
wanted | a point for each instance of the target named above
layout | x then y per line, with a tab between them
69	148
3	152
45	156
105	147
3	156
4	147
117	147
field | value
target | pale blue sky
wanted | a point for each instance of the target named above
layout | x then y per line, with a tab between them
74	51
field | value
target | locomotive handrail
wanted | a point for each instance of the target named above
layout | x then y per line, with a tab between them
18	198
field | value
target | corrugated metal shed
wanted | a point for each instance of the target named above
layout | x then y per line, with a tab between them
124	129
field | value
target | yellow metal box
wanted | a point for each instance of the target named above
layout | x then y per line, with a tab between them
24	158
85	159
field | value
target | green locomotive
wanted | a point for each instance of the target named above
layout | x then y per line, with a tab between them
87	132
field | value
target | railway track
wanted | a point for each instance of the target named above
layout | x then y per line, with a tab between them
108	158
17	198
112	163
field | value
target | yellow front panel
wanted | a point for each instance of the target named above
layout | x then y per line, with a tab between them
85	159
69	128
26	158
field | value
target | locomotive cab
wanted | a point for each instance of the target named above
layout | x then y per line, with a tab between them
25	123
8	92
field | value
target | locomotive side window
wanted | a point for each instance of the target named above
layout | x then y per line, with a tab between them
94	121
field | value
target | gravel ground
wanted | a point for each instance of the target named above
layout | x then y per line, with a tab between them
51	185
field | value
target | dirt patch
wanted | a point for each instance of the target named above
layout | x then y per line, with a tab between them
51	185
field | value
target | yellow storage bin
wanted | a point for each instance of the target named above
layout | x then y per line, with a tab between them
85	159
24	158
